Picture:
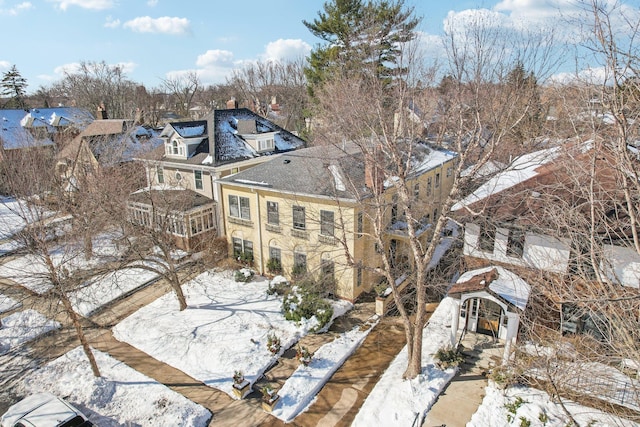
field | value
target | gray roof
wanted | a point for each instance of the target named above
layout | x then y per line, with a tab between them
312	171
222	127
16	125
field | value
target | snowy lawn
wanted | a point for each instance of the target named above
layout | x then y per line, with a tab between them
8	303
23	326
121	397
102	290
12	214
398	402
299	391
536	407
224	329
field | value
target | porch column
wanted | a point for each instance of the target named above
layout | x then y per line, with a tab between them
455	318
513	322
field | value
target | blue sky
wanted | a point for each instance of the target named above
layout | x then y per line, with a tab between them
154	39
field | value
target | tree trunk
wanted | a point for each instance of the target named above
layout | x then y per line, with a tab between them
75	319
177	288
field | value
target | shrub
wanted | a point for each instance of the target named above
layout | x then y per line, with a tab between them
273	343
302	303
268	394
278	285
448	357
304	355
298	271
238	377
274	266
245	258
244	275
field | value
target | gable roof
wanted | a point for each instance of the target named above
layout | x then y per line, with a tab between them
498	282
222	141
15	125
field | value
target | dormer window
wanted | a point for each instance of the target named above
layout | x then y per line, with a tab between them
266	145
175	148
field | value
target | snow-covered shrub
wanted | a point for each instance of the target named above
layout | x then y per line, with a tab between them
448	357
304	355
278	285
301	303
273	343
244	275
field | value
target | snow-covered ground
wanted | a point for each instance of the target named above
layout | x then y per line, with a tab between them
23	326
8	303
224	329
12	213
102	290
299	391
397	402
537	408
121	397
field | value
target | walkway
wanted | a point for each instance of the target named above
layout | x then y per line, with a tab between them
460	399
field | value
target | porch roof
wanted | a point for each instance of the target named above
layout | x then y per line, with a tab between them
501	282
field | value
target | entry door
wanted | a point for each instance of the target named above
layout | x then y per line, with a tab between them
488	317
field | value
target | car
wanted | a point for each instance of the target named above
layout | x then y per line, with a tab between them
44	410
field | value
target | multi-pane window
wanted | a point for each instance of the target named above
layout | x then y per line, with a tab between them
515	243
299	262
160	174
275	254
242	248
429	186
416	191
202	221
437	180
299	220
359	276
449	171
326	223
198	178
239	207
359	224
273	216
487	238
265	144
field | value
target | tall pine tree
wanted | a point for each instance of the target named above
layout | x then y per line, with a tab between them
359	37
13	86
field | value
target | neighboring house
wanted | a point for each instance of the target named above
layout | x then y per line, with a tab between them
196	154
299	213
104	143
40	127
513	220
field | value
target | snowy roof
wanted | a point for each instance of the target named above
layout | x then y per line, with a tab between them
503	283
221	141
15	125
520	170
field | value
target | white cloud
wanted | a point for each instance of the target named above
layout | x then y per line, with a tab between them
152	3
164	25
70	68
596	76
5	64
285	49
85	4
112	23
13	11
215	58
74	67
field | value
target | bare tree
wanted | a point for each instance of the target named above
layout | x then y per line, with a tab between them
184	88
383	120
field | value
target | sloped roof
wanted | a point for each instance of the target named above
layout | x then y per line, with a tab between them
496	280
221	141
15	124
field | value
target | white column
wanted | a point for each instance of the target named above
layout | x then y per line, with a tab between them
455	318
513	322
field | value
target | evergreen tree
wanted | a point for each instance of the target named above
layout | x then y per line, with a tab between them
359	37
13	85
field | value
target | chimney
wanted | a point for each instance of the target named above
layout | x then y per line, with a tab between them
102	112
232	104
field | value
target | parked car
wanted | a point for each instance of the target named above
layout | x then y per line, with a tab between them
44	410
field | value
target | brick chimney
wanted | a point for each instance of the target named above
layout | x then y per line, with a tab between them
102	112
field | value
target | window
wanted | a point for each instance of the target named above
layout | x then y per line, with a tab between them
175	147
239	207
487	238
265	144
299	263
416	191
437	180
515	243
273	217
200	222
429	186
275	254
198	177
160	174
359	276
449	171
359	225
299	218
327	271
178	176
242	248
394	209
435	215
326	223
